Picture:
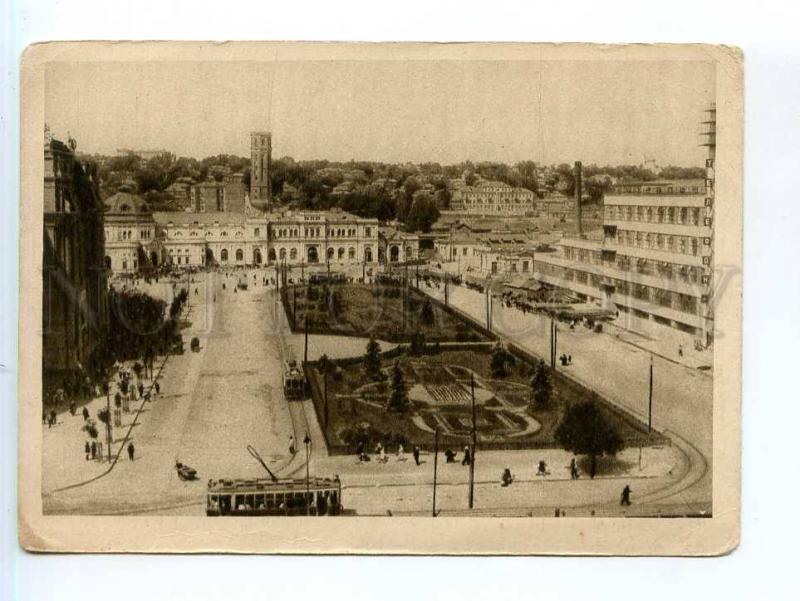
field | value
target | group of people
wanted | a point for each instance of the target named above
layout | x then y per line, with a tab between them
565	359
382	456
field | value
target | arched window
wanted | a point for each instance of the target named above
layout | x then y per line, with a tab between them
239	254
271	254
257	233
330	254
293	254
223	255
282	253
341	253
351	253
368	255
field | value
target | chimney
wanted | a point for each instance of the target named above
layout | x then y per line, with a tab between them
578	196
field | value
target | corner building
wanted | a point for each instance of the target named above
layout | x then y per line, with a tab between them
652	262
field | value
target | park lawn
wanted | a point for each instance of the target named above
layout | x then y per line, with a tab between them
345	413
363	313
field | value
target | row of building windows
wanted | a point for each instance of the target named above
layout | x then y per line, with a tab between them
663	269
678	301
127	234
683	245
648	214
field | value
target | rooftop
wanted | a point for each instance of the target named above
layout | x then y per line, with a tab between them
126	203
186	218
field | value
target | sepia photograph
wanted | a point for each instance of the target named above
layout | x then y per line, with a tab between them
380	298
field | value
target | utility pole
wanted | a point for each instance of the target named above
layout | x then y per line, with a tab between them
650	399
305	341
325	392
435	466
474	444
486	302
108	415
307	442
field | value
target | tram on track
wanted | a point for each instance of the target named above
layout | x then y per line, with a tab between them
273	496
266	497
294	381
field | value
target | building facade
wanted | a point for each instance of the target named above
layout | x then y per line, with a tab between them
295	237
130	234
74	311
492	198
652	261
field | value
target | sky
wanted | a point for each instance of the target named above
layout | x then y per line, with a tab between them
604	112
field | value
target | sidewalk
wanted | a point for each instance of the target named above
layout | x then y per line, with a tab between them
397	486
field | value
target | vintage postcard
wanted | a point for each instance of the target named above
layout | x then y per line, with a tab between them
380	298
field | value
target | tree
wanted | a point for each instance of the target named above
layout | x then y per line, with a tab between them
336	304
585	430
372	360
417	346
541	385
423	213
426	315
500	360
398	398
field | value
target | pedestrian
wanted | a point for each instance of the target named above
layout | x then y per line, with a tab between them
158	387
569	359
72	408
99	450
53	417
131	451
382	453
292	449
94	450
195	291
360	450
85	414
467	459
450	456
573	469
416	454
680	350
401	453
87	449
141	389
44	416
506	478
542	470
626	496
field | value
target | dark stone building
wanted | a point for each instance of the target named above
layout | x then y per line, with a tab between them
74	305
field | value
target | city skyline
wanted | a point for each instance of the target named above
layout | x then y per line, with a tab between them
389	111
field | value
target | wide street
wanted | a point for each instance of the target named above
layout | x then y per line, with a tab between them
215	402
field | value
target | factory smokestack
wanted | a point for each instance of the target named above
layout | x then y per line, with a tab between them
578	196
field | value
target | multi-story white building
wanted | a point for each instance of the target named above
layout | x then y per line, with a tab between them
492	198
294	237
652	262
130	233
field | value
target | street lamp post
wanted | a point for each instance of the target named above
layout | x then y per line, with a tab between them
474	445
650	399
108	417
307	442
435	466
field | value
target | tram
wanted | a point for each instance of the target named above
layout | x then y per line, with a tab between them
312	496
265	497
293	381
